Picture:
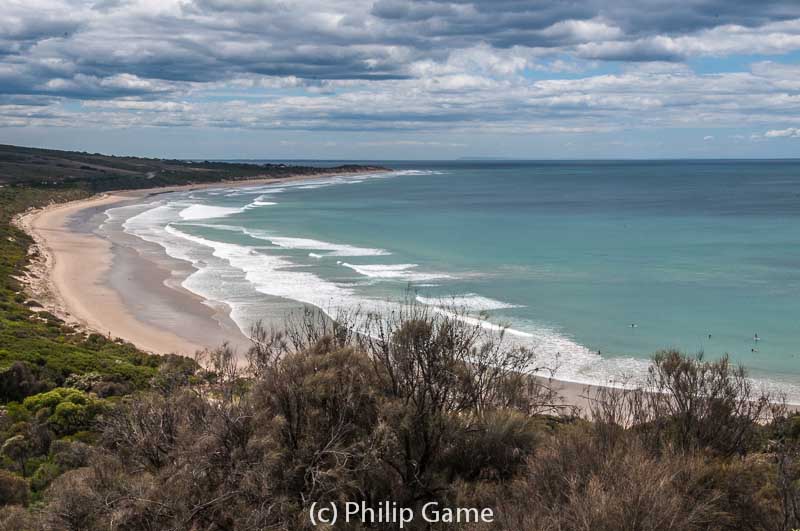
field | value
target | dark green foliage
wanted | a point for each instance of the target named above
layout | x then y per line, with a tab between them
345	418
52	169
19	381
30	430
39	354
44	475
18	449
52	378
69	454
424	409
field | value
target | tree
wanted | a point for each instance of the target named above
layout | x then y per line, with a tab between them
18	449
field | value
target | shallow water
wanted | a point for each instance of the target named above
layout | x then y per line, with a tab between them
620	258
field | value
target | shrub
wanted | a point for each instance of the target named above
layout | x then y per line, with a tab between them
69	454
13	490
573	484
44	475
16	518
426	408
18	449
19	381
67	410
694	404
52	398
688	404
494	446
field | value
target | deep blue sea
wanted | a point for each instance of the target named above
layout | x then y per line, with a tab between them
595	264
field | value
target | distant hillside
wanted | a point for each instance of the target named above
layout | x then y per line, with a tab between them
48	167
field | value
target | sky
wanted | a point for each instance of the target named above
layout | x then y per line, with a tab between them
402	79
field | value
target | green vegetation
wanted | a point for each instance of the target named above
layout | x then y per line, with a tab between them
55	381
429	409
93	171
97	435
37	350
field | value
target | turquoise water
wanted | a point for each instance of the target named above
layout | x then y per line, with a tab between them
620	258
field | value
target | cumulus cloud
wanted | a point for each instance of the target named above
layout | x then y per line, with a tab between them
397	65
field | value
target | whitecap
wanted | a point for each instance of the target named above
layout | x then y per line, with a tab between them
195	212
394	272
334	249
259	202
485	324
470	302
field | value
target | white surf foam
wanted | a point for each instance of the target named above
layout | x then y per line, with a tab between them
123	213
469	301
395	272
485	324
312	184
261	190
277	276
259	202
218	263
333	249
195	212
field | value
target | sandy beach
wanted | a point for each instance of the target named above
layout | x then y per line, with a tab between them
73	276
76	265
71	279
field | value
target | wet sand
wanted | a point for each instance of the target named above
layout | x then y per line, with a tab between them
120	286
123	288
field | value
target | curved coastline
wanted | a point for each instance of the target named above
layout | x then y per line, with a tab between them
147	305
72	272
73	282
76	264
72	279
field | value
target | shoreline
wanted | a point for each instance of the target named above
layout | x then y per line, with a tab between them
59	279
84	297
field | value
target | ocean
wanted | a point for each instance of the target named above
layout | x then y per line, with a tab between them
594	264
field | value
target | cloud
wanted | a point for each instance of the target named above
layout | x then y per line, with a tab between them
25	24
396	65
789	132
640	98
212	40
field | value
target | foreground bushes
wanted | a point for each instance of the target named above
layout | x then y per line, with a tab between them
426	408
41	439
